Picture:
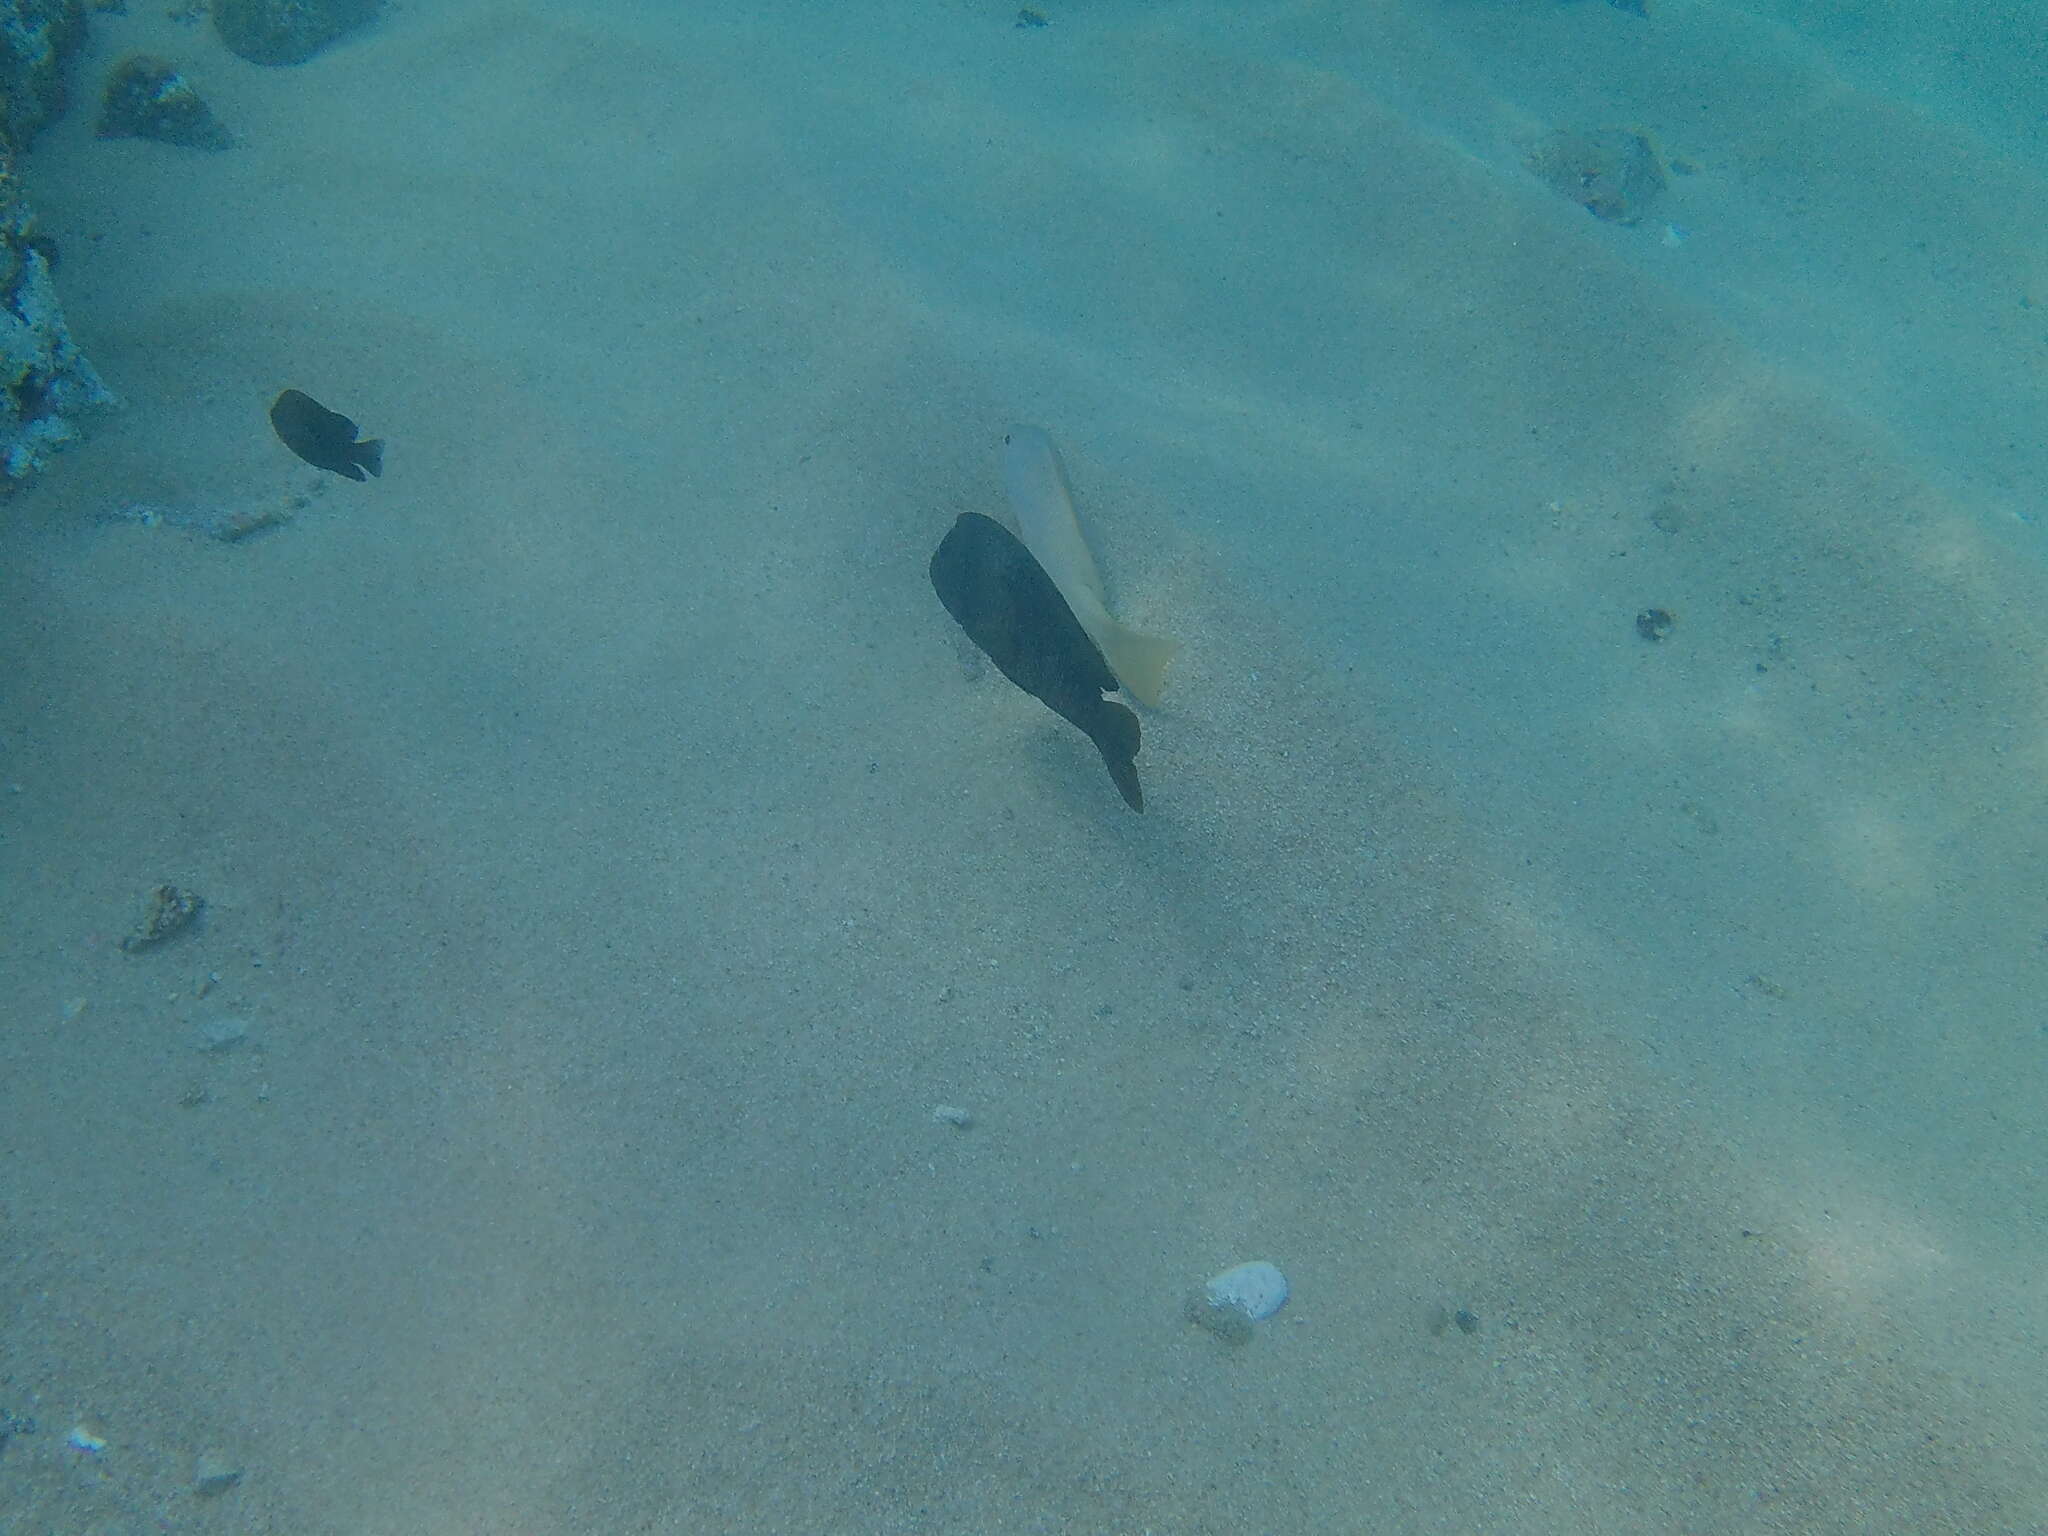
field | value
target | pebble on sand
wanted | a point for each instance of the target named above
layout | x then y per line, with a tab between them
222	1033
213	1475
1230	1303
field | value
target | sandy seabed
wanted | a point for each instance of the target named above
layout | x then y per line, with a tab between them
614	853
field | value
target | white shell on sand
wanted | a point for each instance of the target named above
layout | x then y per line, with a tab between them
1257	1289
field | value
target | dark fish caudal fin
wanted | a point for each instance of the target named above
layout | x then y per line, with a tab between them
1010	608
371	455
1115	734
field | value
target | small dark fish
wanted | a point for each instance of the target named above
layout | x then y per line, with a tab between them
324	439
1010	608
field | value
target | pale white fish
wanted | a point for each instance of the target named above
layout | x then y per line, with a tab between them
1044	508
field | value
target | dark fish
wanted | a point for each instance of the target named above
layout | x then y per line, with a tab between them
1010	608
324	439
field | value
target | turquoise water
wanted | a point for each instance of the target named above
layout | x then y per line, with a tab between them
1584	926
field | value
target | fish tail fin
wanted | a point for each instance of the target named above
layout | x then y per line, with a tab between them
1116	737
371	455
1139	661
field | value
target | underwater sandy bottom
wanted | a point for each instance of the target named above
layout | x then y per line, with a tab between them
615	853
